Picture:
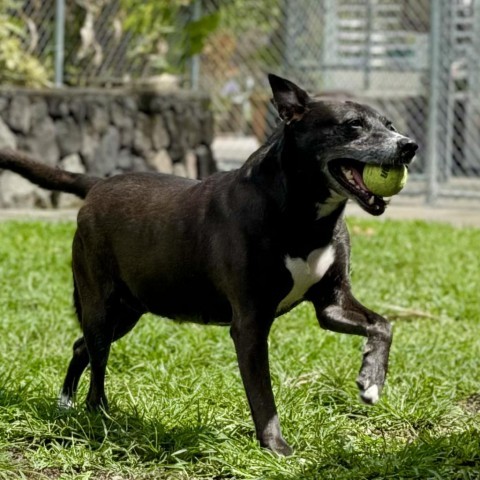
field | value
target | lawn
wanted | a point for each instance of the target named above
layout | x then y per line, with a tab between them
178	410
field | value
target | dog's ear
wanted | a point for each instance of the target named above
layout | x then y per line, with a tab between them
290	101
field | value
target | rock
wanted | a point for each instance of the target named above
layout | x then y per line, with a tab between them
90	141
16	191
160	137
69	136
121	116
105	158
190	130
129	162
126	132
161	162
176	148
191	164
125	162
139	164
129	103
42	142
109	133
170	123
179	169
71	163
78	109
4	101
19	114
7	137
142	136
39	110
57	106
98	116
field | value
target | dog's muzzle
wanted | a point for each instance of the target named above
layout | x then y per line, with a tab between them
347	174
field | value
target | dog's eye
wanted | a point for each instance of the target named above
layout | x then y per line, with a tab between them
355	124
391	127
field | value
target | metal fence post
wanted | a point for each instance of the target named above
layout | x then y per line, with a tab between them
195	61
367	73
434	90
59	41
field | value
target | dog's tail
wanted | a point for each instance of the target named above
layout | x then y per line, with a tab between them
44	176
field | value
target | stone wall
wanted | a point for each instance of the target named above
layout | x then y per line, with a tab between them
103	132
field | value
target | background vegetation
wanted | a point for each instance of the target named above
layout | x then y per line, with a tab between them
101	36
18	64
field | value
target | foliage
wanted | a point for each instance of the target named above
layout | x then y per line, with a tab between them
166	31
162	35
241	15
178	410
17	65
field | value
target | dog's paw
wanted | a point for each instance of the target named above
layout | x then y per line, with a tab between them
371	395
369	390
65	402
279	446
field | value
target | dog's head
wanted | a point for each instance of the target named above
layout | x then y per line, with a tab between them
336	139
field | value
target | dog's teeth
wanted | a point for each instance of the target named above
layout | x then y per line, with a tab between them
347	173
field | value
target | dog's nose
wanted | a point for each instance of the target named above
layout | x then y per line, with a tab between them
407	146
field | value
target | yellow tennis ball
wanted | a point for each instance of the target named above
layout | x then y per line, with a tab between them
385	180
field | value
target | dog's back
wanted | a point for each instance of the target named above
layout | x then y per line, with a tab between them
139	229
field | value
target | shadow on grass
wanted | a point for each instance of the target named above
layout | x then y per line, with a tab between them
129	437
40	423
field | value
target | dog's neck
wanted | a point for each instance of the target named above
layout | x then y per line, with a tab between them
308	207
330	205
299	191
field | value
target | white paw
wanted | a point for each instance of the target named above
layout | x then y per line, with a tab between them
370	395
65	402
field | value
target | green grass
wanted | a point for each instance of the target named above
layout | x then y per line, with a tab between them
178	409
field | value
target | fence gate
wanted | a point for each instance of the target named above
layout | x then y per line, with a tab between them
416	60
455	96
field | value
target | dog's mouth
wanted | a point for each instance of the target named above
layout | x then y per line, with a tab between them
348	174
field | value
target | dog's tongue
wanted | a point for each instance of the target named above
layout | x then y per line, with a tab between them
357	176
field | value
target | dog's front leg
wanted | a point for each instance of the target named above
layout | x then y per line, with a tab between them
250	335
350	316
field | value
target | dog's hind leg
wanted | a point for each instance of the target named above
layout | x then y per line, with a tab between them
98	335
124	318
79	360
350	316
77	365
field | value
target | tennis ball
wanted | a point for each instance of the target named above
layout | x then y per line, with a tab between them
385	180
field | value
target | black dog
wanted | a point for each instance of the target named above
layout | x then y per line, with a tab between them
239	248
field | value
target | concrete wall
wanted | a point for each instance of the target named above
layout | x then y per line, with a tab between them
103	132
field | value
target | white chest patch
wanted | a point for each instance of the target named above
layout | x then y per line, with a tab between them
306	273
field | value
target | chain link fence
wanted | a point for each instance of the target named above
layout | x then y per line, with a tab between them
415	60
